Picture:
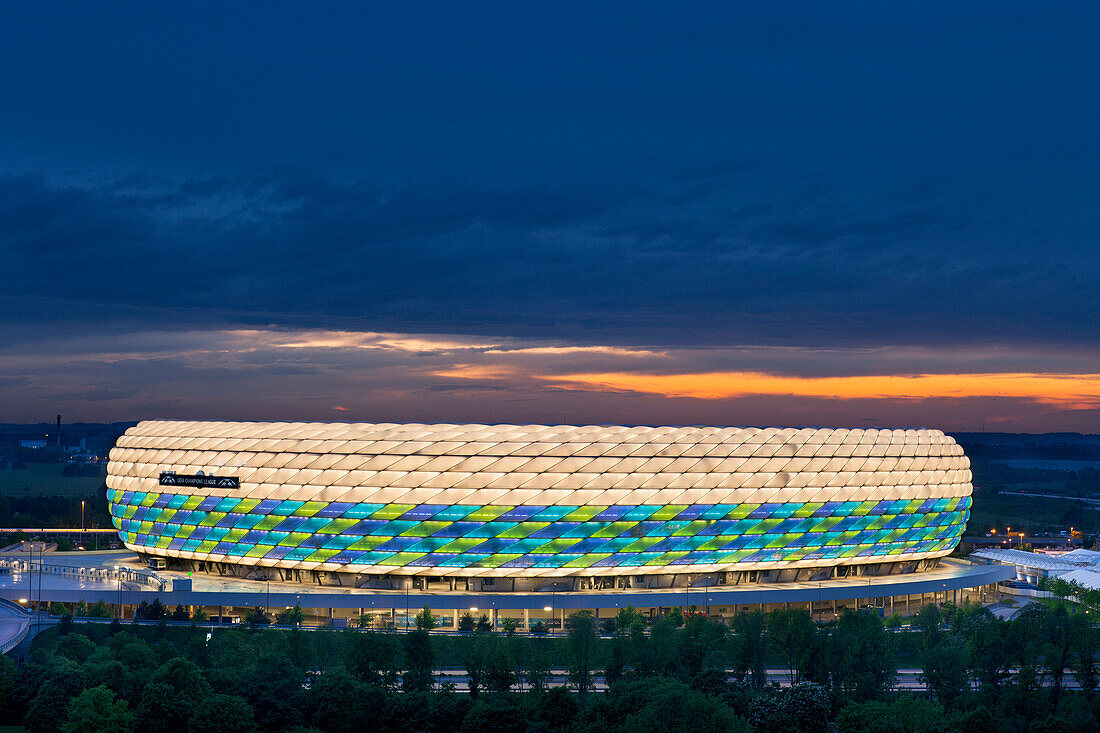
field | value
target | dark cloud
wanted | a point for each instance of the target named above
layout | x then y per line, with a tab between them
582	262
855	182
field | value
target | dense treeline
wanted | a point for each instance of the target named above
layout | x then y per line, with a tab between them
764	673
53	511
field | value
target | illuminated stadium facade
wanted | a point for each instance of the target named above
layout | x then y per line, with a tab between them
531	507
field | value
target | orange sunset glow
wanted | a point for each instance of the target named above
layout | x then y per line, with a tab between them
1063	390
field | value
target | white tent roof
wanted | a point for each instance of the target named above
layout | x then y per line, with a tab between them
1087	578
1028	559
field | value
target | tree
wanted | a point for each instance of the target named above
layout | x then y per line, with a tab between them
466	622
861	656
537	669
96	711
800	708
161	710
180	614
199	616
500	666
256	617
293	616
990	653
508	626
425	621
483	624
791	632
928	620
419	675
749	647
370	657
474	661
157	611
7	688
702	658
1057	650
184	678
944	671
1086	644
223	714
48	711
75	647
659	706
582	646
99	609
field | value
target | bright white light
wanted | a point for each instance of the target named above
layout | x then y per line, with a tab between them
547	608
473	608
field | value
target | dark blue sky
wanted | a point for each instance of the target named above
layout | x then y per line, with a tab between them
799	190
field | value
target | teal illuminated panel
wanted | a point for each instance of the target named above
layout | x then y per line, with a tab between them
390	536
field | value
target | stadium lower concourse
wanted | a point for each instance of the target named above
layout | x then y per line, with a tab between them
528	522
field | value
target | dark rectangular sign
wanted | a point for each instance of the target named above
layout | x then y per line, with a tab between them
205	482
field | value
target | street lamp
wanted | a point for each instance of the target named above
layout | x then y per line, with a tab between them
118	604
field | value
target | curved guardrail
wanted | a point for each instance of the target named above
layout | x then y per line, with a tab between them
141	576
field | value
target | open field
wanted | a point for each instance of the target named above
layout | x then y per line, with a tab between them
46	479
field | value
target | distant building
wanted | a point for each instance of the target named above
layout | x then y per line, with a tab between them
34	444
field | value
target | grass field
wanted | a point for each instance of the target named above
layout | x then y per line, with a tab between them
45	479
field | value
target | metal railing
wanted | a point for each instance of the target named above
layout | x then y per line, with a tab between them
140	576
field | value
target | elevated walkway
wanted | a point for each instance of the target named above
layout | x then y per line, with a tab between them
89	577
15	623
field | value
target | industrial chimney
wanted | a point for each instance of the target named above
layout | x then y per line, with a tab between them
59	432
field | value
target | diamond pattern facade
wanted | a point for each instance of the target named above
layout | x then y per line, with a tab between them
508	500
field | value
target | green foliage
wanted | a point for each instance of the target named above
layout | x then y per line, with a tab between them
99	609
425	621
96	711
658	706
418	659
371	657
293	616
861	658
667	677
466	622
500	665
154	611
582	643
944	671
75	647
749	647
791	632
222	714
257	617
907	714
800	708
7	689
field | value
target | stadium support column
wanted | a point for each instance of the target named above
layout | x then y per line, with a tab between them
526	619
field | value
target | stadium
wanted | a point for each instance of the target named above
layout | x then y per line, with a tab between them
530	522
